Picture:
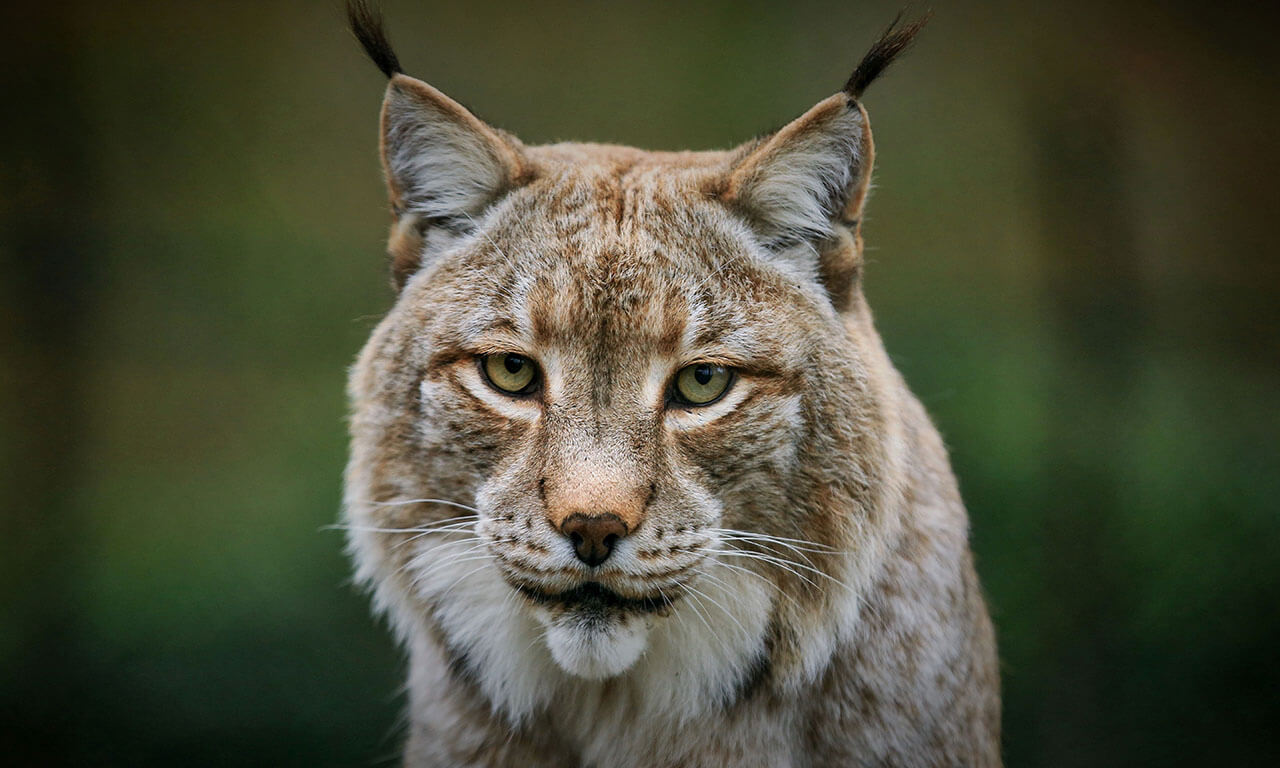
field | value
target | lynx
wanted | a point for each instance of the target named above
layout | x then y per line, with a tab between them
631	474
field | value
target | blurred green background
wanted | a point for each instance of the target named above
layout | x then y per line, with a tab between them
1073	261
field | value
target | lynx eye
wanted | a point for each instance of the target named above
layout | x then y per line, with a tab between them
510	373
701	383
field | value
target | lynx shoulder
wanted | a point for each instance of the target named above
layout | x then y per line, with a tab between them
631	474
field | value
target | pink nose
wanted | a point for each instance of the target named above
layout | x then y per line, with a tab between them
593	536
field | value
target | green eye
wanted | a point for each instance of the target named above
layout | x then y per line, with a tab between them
510	373
702	383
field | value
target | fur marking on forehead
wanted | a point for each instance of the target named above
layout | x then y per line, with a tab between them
684	285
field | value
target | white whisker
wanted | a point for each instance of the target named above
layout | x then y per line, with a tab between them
772	548
699	609
769	582
421	576
716	603
787	565
816	547
465	528
471	572
460	520
406	502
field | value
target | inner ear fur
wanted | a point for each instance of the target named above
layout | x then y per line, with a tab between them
808	183
444	166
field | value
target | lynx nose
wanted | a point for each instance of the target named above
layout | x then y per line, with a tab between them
593	536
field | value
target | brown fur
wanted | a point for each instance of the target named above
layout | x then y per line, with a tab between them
854	635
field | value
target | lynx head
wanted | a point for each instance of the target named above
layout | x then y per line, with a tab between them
627	409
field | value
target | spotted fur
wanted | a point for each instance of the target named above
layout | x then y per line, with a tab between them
795	587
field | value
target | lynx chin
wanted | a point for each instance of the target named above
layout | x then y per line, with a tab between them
631	474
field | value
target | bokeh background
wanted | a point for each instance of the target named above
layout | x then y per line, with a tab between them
1074	263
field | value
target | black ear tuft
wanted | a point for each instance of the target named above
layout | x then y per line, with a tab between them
366	23
889	47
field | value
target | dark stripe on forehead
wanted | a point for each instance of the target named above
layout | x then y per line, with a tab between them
503	323
675	317
606	348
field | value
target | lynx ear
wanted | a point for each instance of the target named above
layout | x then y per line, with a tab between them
799	183
808	182
443	164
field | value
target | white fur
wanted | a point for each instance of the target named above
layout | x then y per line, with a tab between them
669	669
595	648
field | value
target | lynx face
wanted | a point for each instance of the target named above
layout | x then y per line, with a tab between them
613	370
628	417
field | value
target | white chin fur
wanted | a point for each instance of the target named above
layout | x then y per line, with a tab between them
596	647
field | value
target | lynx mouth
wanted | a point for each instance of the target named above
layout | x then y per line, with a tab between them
592	631
594	598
